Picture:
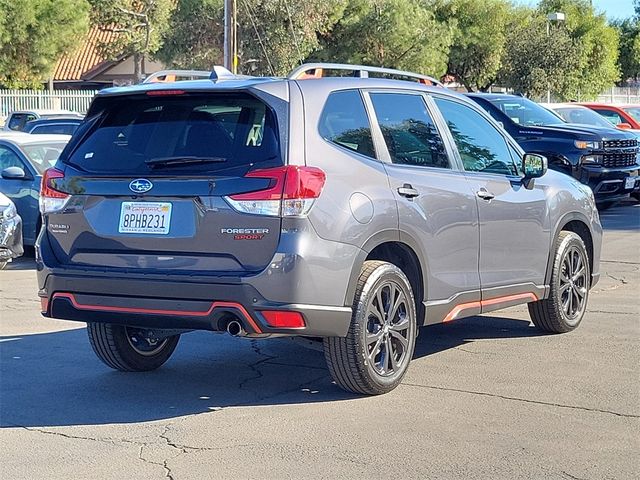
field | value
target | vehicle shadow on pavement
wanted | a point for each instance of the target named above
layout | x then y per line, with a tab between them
54	379
621	217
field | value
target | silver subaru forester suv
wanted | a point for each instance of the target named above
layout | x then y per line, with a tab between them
347	204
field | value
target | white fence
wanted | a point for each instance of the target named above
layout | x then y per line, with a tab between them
74	100
618	95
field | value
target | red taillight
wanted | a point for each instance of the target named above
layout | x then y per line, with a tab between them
291	192
288	183
46	188
281	319
52	200
163	93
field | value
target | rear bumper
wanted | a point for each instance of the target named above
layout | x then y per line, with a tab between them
178	305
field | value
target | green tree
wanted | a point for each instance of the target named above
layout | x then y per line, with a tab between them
629	53
33	34
534	62
402	34
597	44
195	36
478	41
274	36
140	25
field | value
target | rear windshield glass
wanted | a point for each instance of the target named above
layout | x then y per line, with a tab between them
194	133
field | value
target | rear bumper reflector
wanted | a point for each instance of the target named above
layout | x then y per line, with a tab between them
283	319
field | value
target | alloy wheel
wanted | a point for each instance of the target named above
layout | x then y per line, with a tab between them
388	329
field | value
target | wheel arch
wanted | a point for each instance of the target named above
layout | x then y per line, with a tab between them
404	256
573	222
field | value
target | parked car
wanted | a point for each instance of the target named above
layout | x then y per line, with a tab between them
10	231
18	119
23	159
55	126
625	117
606	159
578	114
351	210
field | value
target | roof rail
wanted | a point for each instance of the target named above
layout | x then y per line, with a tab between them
316	70
162	76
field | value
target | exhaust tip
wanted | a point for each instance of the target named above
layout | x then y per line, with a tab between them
235	328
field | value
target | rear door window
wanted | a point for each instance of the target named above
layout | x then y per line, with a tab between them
182	134
409	131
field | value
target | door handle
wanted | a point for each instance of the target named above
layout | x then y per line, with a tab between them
408	191
484	194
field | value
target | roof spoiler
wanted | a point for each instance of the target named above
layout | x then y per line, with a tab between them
319	70
164	76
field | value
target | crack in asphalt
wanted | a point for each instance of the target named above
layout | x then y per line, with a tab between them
573	477
167	471
109	440
524	400
612	313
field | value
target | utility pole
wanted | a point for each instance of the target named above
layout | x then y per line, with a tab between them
230	36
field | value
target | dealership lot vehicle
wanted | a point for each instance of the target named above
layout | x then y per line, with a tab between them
55	126
23	159
229	204
624	117
10	231
603	158
17	120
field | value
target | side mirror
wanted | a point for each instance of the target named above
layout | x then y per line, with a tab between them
534	165
624	126
13	173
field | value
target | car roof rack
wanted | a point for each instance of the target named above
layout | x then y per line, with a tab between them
317	70
218	73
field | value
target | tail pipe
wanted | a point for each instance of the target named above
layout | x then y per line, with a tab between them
236	329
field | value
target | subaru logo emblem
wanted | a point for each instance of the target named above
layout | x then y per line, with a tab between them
140	185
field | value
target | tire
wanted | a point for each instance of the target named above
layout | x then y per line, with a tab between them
558	314
3	264
357	362
114	345
636	196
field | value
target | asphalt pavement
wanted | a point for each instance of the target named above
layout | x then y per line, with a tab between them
485	397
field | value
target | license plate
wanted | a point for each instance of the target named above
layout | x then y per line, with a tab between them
145	217
629	182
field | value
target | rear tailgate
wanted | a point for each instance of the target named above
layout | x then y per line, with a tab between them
149	179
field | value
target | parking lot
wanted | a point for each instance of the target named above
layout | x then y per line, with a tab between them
486	397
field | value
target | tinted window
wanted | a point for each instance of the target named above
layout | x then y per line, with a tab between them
62	129
9	159
43	155
409	132
614	117
481	147
525	112
634	112
231	131
17	121
582	115
344	122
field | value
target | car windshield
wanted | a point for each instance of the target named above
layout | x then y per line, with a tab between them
634	112
43	155
582	116
525	112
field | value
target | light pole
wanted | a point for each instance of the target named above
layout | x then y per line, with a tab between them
552	17
230	36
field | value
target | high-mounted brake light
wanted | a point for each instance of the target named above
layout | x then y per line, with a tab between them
52	200
161	93
291	192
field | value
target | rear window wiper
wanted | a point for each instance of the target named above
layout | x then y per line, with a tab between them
182	160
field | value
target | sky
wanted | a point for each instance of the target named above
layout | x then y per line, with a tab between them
612	8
